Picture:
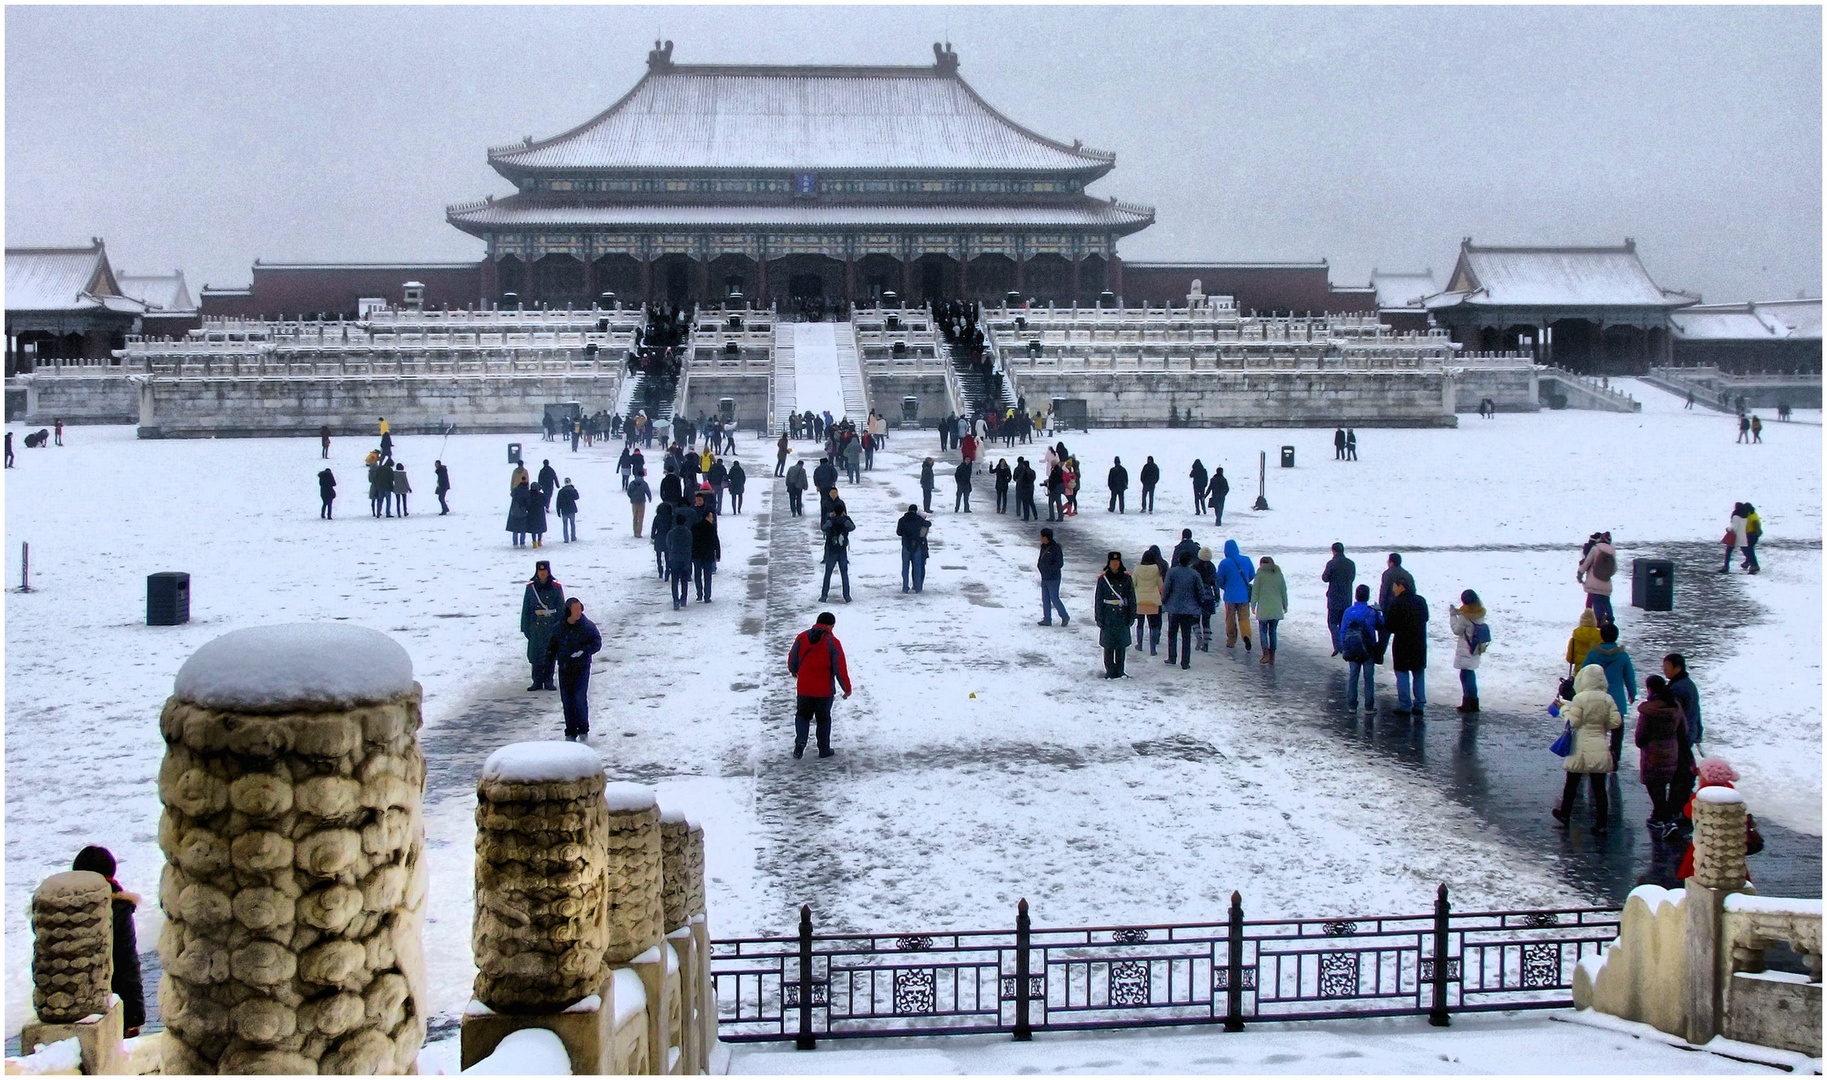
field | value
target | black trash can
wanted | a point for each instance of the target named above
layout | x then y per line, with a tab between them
167	598
1287	457
514	453
1652	584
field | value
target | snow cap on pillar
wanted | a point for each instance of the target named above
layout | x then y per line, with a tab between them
295	666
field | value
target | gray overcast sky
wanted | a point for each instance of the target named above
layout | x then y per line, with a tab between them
206	137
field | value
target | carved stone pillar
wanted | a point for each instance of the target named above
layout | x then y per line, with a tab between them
72	941
294	881
1719	870
542	834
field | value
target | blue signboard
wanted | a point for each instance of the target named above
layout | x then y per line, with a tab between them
805	183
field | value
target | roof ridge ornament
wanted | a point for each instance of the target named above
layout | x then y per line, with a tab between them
660	58
944	59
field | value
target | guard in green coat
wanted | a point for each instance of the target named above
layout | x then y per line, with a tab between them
1116	610
540	611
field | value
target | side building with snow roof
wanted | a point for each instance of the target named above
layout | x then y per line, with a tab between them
1592	310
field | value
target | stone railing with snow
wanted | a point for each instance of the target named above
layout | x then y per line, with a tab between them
294	882
577	882
1690	962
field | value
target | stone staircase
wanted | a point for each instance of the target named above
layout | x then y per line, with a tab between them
850	373
782	399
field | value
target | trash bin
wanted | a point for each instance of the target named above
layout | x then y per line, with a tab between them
167	598
1287	457
1652	584
514	453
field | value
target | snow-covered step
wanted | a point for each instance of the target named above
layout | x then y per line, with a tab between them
785	400
850	372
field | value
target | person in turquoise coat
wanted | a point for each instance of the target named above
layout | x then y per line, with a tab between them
1620	679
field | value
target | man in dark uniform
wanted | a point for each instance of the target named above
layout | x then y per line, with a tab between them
573	643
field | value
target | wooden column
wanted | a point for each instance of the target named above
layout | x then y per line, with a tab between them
646	271
704	277
1114	276
907	261
761	268
1021	270
850	272
1074	280
590	290
964	271
491	279
529	291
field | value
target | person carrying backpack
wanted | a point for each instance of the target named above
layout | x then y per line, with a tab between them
1595	573
1471	637
1358	630
1234	576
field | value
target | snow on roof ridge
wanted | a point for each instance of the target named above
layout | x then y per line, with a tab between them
611	139
295	665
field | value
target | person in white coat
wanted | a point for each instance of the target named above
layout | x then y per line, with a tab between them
1593	716
1466	622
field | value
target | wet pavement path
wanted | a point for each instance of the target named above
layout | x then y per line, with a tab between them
1497	762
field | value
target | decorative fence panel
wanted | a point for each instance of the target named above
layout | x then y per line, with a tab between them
1051	979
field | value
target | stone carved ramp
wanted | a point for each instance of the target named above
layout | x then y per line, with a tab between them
817	379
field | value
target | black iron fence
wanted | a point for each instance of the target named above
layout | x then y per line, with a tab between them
1030	979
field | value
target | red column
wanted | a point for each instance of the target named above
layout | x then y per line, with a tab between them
589	279
1115	279
529	293
646	275
1021	273
1074	281
704	280
849	276
491	279
761	287
964	273
907	279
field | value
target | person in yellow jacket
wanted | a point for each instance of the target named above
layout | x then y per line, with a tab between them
1585	638
1149	574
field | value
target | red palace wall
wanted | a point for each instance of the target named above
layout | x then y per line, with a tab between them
1297	288
284	291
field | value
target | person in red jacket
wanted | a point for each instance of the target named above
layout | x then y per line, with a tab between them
817	660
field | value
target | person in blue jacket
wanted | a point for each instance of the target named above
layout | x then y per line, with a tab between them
1359	628
572	645
1620	679
1234	576
1180	592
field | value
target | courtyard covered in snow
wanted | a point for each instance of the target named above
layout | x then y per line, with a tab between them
982	759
